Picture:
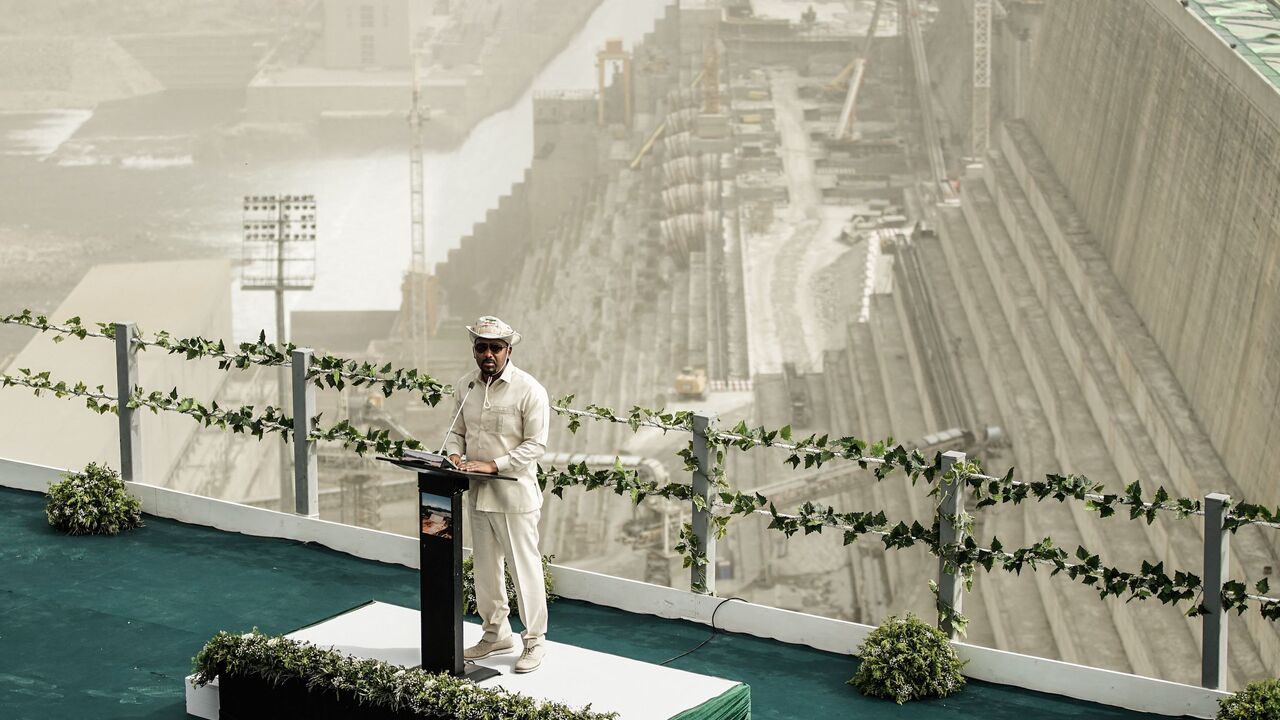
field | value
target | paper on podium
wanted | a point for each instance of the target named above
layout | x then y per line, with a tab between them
423	460
429	458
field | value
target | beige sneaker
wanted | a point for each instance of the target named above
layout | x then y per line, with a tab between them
530	659
484	649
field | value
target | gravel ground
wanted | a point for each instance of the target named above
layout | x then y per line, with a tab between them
837	289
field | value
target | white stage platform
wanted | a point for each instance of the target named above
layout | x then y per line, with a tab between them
569	675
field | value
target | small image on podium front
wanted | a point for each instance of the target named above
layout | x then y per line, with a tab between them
437	516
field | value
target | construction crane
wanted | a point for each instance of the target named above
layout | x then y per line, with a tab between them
915	40
840	82
648	145
710	92
981	125
711	74
416	281
858	69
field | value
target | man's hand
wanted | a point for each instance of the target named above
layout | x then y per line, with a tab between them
479	466
455	459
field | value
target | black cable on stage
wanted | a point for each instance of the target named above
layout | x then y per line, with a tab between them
714	630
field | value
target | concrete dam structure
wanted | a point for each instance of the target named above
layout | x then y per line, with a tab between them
1167	143
1120	240
739	200
1096	299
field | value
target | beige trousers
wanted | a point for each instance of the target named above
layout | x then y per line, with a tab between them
495	538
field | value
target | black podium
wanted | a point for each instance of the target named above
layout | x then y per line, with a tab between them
440	516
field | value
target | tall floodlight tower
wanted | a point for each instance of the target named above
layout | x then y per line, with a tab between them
981	125
417	280
279	254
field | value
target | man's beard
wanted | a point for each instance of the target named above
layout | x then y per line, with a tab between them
489	374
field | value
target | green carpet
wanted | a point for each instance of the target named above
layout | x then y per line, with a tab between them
97	627
733	704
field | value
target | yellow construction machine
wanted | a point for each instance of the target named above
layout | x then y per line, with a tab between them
691	384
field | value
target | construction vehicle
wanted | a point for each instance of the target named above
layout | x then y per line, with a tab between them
691	384
958	439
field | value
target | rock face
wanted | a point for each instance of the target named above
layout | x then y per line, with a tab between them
1168	143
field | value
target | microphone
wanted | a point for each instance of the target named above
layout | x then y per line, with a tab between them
462	404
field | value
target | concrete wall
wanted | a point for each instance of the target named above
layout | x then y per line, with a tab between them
565	149
1168	144
366	33
198	60
267	102
186	298
67	72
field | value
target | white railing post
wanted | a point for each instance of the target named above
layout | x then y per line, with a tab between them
130	420
306	486
950	503
1217	564
703	578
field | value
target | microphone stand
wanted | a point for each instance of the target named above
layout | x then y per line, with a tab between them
445	441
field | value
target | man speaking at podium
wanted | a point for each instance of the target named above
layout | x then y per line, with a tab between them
503	431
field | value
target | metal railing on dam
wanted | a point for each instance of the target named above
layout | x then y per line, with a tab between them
712	501
1250	27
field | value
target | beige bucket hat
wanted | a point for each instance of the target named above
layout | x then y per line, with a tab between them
491	328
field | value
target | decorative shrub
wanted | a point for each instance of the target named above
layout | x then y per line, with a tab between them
278	660
907	659
94	501
1259	700
469	584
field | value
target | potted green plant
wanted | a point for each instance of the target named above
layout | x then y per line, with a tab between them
93	501
907	659
1259	700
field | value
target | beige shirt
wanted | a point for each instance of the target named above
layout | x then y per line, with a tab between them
505	421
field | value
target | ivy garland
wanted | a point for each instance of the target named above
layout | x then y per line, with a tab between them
327	371
637	417
884	457
962	556
360	443
1243	513
812	451
72	327
96	399
620	480
237	420
966	555
948	614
